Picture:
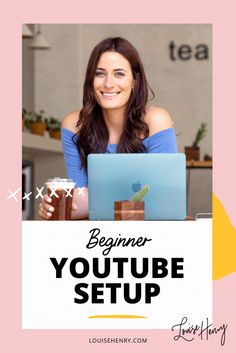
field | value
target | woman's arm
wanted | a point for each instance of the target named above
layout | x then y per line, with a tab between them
69	122
158	119
73	166
80	203
74	171
162	138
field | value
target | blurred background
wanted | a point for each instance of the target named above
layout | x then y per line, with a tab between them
178	64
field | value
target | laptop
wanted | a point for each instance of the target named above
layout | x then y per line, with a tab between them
117	177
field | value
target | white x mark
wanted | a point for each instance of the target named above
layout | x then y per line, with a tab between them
13	194
39	194
26	196
81	191
53	192
68	192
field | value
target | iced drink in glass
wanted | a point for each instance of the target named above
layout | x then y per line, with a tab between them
61	192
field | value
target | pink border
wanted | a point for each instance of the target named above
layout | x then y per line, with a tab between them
222	16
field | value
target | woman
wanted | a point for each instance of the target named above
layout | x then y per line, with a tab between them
114	118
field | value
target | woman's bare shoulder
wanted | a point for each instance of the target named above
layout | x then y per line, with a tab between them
158	119
70	121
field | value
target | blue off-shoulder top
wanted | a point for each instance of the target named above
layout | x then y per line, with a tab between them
162	142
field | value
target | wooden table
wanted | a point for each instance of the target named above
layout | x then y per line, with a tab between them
195	165
199	164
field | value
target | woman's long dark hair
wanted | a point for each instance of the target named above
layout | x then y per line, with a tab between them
93	133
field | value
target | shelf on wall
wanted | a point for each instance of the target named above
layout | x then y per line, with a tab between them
36	143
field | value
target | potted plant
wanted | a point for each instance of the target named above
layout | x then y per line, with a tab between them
132	209
193	152
54	127
35	123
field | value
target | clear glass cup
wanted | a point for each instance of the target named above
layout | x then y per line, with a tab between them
61	192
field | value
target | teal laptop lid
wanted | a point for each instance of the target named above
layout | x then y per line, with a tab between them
117	177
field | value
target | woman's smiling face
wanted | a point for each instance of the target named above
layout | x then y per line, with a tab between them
113	81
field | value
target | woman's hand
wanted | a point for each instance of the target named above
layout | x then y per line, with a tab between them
79	206
45	208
